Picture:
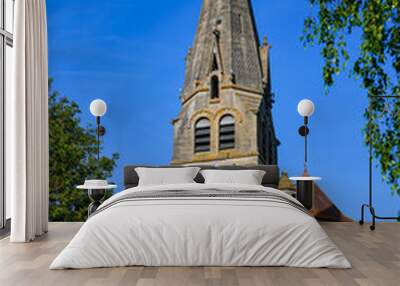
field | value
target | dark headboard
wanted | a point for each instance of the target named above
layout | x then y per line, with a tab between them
271	178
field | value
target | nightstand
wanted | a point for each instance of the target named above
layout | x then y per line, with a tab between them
305	190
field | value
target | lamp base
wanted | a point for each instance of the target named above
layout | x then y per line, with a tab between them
374	216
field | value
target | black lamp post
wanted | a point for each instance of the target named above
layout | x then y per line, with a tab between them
305	183
98	108
97	188
306	109
370	205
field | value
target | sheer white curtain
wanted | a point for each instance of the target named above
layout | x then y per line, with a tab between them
27	123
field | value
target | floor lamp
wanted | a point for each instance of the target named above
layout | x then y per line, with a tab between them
97	188
371	162
306	109
98	108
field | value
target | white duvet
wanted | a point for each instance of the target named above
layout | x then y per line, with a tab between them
200	232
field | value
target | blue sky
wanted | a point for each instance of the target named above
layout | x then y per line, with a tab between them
131	54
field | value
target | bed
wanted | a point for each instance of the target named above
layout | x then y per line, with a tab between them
198	224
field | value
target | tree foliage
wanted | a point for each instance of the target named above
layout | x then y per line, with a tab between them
376	65
73	152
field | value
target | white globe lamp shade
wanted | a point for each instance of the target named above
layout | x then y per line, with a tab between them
306	108
98	108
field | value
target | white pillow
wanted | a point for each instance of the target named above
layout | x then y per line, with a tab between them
242	177
166	176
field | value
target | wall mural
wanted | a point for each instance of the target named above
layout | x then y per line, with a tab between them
183	89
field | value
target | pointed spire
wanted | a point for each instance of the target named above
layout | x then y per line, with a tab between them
227	31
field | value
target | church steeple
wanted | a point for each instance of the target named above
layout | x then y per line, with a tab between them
226	101
226	37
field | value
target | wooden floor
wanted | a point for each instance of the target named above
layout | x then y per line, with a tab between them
375	257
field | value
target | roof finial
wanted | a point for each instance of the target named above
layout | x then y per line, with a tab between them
265	41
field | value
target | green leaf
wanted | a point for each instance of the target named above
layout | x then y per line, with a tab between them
330	25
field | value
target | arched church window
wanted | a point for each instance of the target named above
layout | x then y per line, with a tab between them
227	132
214	87
202	135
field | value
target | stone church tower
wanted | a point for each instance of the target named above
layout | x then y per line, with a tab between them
226	117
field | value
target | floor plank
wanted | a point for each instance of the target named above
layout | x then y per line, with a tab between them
375	257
